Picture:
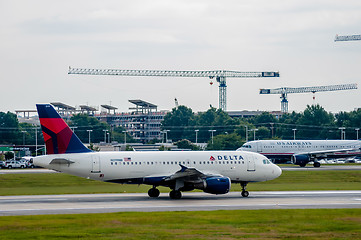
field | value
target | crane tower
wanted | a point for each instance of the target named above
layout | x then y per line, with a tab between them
219	75
286	90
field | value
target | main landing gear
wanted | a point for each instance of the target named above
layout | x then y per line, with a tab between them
175	194
244	193
153	192
316	164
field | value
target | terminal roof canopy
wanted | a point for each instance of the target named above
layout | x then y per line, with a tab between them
143	106
63	106
87	108
109	108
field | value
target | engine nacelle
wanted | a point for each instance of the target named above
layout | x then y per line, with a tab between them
216	185
301	160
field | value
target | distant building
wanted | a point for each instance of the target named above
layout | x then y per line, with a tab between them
143	124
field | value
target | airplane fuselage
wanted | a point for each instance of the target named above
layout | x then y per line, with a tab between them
285	149
141	167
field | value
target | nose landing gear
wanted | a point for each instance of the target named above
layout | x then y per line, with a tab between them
244	193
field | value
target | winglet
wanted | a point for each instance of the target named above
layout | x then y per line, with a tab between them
58	137
184	168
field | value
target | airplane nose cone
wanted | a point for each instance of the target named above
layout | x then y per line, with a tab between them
277	171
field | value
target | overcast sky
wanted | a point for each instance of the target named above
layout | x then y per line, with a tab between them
41	39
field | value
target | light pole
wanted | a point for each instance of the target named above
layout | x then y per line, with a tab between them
36	141
89	131
212	131
108	137
246	133
272	129
105	135
197	130
357	129
342	133
166	135
254	133
125	137
294	133
23	137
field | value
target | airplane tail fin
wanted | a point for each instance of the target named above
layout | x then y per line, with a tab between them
58	137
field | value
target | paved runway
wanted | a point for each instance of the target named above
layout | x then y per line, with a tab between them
191	201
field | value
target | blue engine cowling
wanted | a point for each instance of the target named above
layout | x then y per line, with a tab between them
301	160
216	185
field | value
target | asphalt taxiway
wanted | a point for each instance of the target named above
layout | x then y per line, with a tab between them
191	201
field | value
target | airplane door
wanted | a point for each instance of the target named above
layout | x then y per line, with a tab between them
95	164
251	166
259	147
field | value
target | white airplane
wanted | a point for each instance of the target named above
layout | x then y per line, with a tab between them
300	152
210	171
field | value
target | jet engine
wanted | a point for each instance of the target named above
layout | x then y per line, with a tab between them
215	185
301	159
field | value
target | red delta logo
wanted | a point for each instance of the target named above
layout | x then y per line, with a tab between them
212	158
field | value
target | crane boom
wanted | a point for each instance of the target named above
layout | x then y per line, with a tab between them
347	38
220	76
166	73
309	89
286	90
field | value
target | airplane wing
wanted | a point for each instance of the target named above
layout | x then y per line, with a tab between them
189	174
182	179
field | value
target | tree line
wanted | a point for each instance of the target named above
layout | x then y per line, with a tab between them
230	133
183	126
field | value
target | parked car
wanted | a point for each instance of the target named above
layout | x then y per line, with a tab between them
15	164
27	161
2	164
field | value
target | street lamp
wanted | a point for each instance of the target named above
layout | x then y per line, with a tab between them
89	131
125	137
197	130
294	133
342	132
212	131
36	141
105	135
246	133
166	135
23	137
357	129
108	137
254	132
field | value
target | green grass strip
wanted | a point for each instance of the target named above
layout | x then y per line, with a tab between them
238	224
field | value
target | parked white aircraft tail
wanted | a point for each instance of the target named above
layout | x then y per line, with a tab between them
210	171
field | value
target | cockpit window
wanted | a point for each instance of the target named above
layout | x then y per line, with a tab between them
266	161
247	146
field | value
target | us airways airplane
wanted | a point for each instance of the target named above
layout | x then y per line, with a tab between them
210	171
300	152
